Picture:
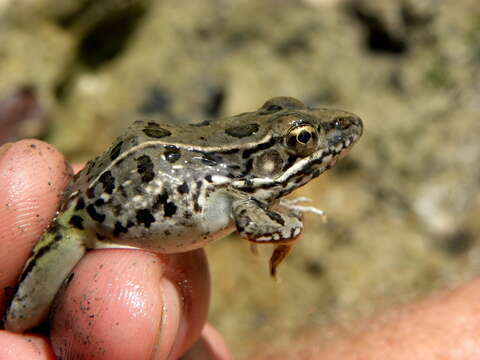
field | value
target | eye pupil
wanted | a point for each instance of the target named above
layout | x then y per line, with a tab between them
304	137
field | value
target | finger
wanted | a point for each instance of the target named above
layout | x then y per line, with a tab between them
132	304
210	346
443	326
32	175
24	347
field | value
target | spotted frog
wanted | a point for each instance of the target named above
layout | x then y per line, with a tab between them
174	188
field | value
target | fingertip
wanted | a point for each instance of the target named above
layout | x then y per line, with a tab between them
189	276
32	175
131	304
24	347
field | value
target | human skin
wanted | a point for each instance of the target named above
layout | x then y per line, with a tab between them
120	304
444	326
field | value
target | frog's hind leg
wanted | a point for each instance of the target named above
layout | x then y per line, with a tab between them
54	256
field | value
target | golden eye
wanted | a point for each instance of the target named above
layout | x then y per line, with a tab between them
303	139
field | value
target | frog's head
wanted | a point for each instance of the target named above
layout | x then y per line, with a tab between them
303	143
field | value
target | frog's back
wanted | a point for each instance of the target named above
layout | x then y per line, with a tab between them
143	188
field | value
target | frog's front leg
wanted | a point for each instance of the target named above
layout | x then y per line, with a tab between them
261	225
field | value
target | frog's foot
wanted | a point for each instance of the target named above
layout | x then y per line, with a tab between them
260	225
292	205
279	254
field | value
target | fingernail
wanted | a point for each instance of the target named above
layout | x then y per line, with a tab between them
4	148
169	337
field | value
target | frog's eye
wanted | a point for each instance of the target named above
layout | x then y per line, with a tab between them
303	139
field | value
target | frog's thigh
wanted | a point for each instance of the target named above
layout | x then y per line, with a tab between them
53	258
262	225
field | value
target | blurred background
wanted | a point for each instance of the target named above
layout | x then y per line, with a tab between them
403	207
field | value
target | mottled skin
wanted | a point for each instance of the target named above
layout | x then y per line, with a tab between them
173	188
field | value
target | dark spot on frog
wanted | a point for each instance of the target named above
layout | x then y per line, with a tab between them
230	151
167	233
154	130
291	160
80	204
169	209
172	154
292	233
187	214
76	221
197	207
53	228
94	214
118	229
144	216
160	200
100	237
183	189
262	146
275	217
116	151
196	195
249	165
270	109
248	189
99	202
209	178
108	182
145	168
242	131
279	103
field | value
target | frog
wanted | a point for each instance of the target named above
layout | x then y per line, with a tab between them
173	188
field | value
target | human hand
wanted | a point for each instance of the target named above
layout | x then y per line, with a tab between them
121	304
